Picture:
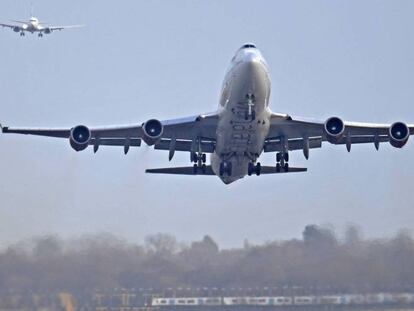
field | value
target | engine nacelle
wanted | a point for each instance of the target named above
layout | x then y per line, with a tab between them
399	133
16	29
47	31
153	130
79	137
334	129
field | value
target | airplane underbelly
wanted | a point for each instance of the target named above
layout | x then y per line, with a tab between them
244	121
239	141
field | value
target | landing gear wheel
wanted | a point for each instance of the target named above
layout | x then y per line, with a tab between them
278	167
250	169
221	169
281	161
203	158
193	157
258	169
195	168
225	168
253	115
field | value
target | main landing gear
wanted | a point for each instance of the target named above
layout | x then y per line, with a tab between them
40	35
22	34
199	159
254	169
281	162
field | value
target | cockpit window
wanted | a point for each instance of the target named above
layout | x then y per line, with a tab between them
248	45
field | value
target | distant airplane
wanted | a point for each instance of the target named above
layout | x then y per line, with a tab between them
33	25
237	133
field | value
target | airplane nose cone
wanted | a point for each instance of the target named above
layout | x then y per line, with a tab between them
251	57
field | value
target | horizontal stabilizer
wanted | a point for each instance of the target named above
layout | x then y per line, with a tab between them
185	170
272	170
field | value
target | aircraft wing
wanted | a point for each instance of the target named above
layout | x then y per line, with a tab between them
181	133
299	133
53	28
11	26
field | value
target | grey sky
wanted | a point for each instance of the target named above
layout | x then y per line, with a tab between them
165	59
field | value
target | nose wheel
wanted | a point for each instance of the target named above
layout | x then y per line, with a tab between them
282	159
254	169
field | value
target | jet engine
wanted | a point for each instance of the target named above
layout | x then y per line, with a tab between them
153	130
399	133
47	31
334	129
79	137
16	29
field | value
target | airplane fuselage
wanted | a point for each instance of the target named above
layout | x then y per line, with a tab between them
244	116
33	25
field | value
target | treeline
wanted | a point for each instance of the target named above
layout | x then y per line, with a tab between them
319	259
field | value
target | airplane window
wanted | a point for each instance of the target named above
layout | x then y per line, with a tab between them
248	45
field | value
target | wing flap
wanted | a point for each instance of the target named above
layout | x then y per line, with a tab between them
184	145
274	145
133	142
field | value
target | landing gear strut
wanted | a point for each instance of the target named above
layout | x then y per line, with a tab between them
225	168
254	169
281	162
199	159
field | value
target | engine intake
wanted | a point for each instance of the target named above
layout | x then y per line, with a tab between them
399	134
48	31
334	129
79	137
153	130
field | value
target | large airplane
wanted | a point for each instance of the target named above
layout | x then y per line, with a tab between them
33	25
237	133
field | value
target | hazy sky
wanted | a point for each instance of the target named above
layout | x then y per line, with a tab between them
141	59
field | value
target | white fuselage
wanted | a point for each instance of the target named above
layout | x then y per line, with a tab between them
244	116
33	25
